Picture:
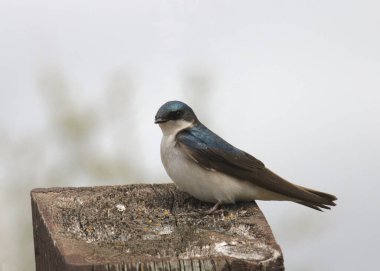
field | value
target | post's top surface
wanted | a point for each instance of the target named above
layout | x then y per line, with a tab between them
99	225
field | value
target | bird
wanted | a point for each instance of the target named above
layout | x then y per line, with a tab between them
212	170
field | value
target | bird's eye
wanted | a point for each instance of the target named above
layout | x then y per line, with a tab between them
175	115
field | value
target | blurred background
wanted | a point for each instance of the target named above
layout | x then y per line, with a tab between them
295	83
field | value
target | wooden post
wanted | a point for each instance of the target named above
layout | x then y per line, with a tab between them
147	227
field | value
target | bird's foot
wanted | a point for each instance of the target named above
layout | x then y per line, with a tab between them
210	211
213	209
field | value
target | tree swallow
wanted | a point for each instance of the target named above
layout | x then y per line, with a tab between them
210	169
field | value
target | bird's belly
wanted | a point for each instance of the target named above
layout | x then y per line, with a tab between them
207	185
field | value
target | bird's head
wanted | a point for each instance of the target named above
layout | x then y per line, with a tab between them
175	116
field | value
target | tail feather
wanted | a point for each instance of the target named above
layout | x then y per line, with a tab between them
322	194
326	200
314	206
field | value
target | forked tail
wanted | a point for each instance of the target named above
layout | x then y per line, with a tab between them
326	200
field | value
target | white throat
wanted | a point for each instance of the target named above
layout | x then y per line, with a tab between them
172	127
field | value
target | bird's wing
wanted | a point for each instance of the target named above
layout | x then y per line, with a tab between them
213	153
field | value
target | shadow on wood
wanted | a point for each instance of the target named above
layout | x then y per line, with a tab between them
147	227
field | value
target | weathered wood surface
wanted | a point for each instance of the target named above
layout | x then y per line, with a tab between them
147	227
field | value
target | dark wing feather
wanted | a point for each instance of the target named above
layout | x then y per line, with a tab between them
213	153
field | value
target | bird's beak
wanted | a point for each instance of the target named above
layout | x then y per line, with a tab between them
159	120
